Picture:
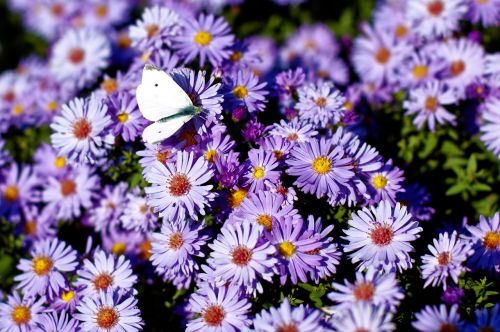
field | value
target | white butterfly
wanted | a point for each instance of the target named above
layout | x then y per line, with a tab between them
160	99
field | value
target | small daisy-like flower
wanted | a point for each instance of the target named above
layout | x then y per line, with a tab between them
48	163
364	316
328	250
50	322
385	183
103	14
17	190
184	183
137	215
157	26
321	167
218	309
261	168
486	242
427	102
380	289
109	312
81	130
241	257
177	245
434	319
486	320
245	90
128	121
294	131
155	153
486	11
286	318
65	196
287	84
44	272
320	104
67	299
297	250
207	37
435	18
448	255
79	57
420	67
20	314
381	235
490	129
104	273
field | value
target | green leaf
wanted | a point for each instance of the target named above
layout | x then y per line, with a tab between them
456	189
472	165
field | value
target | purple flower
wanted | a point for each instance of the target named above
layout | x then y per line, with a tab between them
218	309
486	242
488	12
452	295
434	319
128	121
184	181
381	235
67	299
416	198
253	130
261	168
155	153
490	129
44	272
486	320
244	89
241	257
294	131
48	163
321	167
448	255
385	183
20	313
287	84
320	104
286	318
109	207
137	215
62	322
109	311
364	316
207	37
228	169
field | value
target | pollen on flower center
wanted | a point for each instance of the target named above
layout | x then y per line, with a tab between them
266	221
241	256
236	56
420	71
175	241
102	281
210	155
67	296
30	227
292	327
457	67
81	128
286	249
237	197
42	265
56	9
293	137
383	55
321	165
435	8
379	181
179	185
482	2
152	30
60	162
431	103
76	55
107	318
401	31
68	187
444	258
101	11
109	85
214	315
11	193
321	101
203	38
52	106
258	172
447	327
382	235
21	314
122	117
491	240
364	291
162	156
240	91
119	248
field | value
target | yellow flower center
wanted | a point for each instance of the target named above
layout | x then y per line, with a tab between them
107	318
258	172
237	197
240	91
321	165
431	104
348	106
401	31
18	109
52	105
491	240
286	249
203	38
67	296
119	248
266	221
42	265
109	85
60	162
210	155
379	181
21	315
122	117
11	193
420	71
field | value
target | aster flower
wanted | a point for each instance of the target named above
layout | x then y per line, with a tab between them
261	168
287	84
453	295
20	313
486	242
294	131
110	206
154	153
486	320
137	215
128	121
244	89
67	299
157	26
215	145
80	131
228	170
427	102
51	17
50	322
65	196
79	57
176	246
185	192
491	128
109	311
434	319
48	163
44	272
253	130
296	249
105	273
418	200
321	167
104	14
420	67
435	18
218	309
381	235
373	286
364	316
286	318
320	104
385	183
241	257
207	37
448	255
488	12
119	241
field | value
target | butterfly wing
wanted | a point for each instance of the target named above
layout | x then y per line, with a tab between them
160	131
158	95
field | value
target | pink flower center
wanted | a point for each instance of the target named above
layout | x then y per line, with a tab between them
214	315
81	128
68	187
288	328
443	258
435	8
179	185
364	291
76	55
241	256
175	241
457	68
382	235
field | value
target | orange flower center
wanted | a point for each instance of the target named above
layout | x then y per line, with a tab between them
444	258
109	85
162	156
364	291
81	128
288	328
447	327
457	68
435	8
383	55
214	315
321	101
179	185
107	318
237	197
68	187
491	240
420	71
401	31
119	248
76	55
175	241
152	30
42	265
241	256
11	193
21	315
30	227
431	103
266	221
102	281
56	9
293	137
101	11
